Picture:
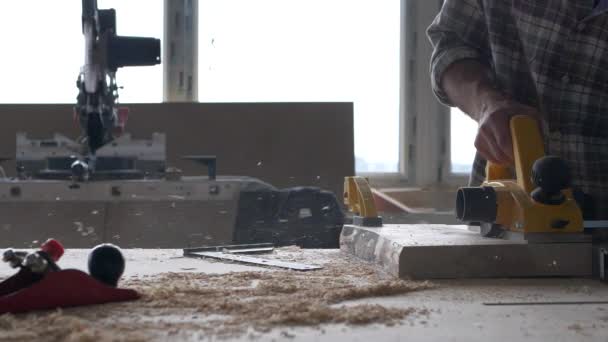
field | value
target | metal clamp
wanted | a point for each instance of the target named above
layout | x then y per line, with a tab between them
359	199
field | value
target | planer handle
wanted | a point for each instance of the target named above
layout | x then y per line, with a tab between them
528	146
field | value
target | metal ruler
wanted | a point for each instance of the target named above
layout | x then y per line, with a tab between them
238	253
599	302
245	259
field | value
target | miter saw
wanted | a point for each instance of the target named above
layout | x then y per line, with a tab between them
102	151
106	186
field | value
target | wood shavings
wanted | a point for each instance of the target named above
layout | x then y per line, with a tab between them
56	326
186	305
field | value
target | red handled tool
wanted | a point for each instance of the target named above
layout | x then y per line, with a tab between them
41	285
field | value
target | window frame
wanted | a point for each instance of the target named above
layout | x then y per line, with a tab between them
425	124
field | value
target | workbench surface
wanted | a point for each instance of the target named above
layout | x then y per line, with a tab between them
177	305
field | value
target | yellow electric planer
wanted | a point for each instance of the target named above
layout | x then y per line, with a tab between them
538	202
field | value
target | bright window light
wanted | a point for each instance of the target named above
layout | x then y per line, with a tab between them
43	50
463	132
309	51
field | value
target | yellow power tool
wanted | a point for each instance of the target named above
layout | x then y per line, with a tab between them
359	199
538	201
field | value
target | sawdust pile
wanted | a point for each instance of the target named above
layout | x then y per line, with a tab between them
57	326
187	305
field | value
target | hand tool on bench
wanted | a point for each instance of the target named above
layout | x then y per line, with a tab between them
40	284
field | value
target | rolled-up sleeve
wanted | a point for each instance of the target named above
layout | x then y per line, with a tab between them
458	32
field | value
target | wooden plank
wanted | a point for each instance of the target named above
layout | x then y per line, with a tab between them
443	251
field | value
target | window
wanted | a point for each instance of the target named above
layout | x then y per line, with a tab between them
43	50
464	130
309	50
263	50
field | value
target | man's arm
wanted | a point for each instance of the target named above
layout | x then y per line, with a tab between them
466	84
458	32
462	77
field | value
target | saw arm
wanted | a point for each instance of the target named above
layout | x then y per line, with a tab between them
105	52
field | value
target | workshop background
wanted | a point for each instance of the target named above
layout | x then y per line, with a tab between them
308	189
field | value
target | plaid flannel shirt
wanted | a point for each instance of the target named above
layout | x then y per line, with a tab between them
549	54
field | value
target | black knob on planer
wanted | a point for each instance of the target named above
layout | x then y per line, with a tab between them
106	264
551	175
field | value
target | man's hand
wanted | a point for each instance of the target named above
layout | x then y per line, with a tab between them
493	139
468	86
